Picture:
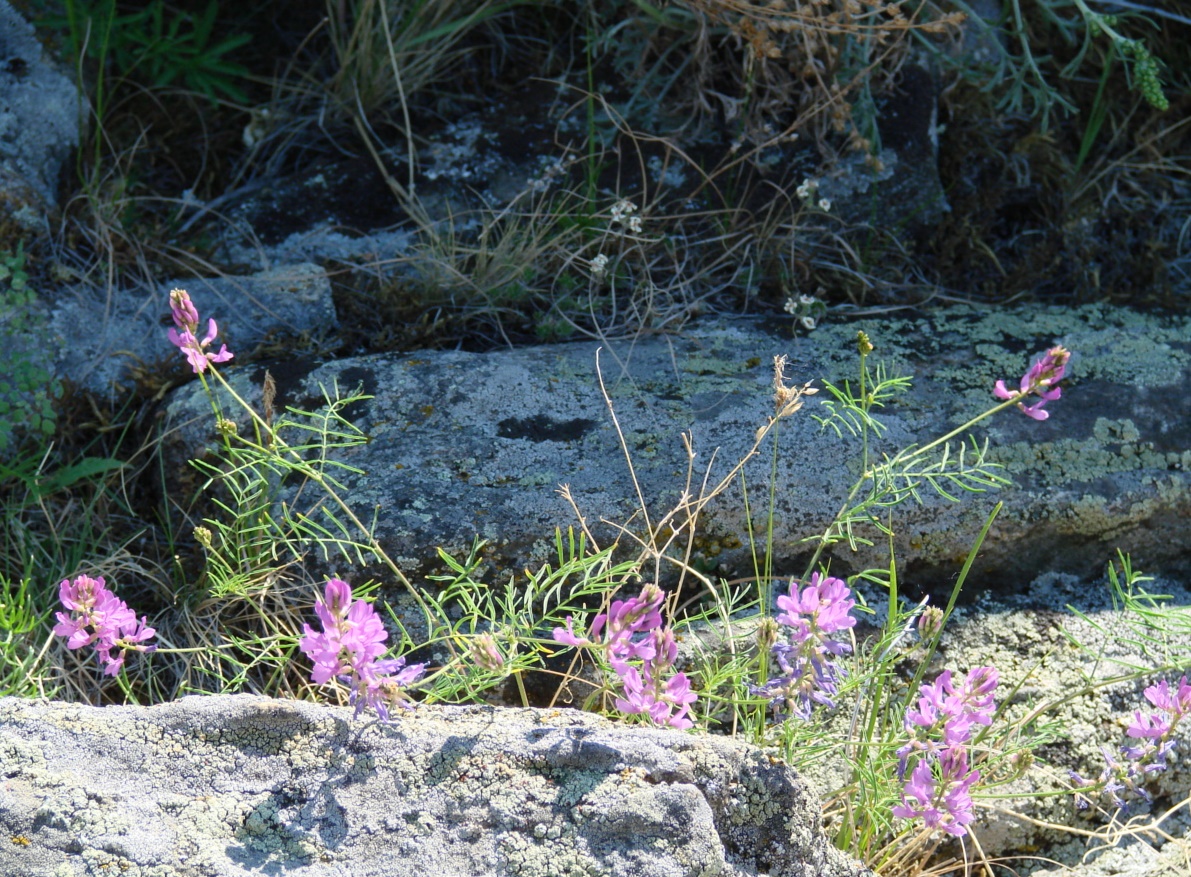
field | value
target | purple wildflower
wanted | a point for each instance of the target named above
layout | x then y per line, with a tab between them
641	652
803	684
946	712
383	684
1177	703
185	337
1153	726
1041	379
349	648
818	610
1116	778
943	802
567	635
920	788
183	311
626	619
648	691
809	675
938	790
98	618
975	694
1155	732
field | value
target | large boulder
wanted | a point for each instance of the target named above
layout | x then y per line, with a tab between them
100	341
109	342
467	444
222	786
40	114
1073	664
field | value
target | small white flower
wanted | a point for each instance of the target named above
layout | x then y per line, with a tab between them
808	188
806	300
622	215
808	323
621	209
599	266
791	306
824	204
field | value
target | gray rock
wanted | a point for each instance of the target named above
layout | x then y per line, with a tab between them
40	112
221	785
97	342
333	212
1134	858
498	160
1073	666
344	211
1079	665
465	444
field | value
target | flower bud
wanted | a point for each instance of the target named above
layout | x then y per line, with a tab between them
485	654
766	634
930	622
184	312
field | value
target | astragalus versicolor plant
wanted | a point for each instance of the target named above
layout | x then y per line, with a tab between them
185	337
1041	380
96	617
641	651
940	728
1123	776
349	648
805	657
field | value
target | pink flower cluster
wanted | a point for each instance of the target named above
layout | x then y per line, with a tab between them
635	633
350	646
1042	379
809	675
186	318
939	788
1173	705
96	617
1156	731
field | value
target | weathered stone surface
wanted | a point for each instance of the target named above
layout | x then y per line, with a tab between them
39	126
1135	857
94	342
218	786
469	444
474	167
1073	666
1079	665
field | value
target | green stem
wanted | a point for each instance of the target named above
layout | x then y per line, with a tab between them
301	466
871	473
767	580
959	429
866	407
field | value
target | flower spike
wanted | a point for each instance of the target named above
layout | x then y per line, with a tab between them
186	318
1042	379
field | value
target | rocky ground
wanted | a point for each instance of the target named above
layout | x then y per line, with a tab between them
463	264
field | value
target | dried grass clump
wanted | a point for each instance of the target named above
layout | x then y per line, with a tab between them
802	66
